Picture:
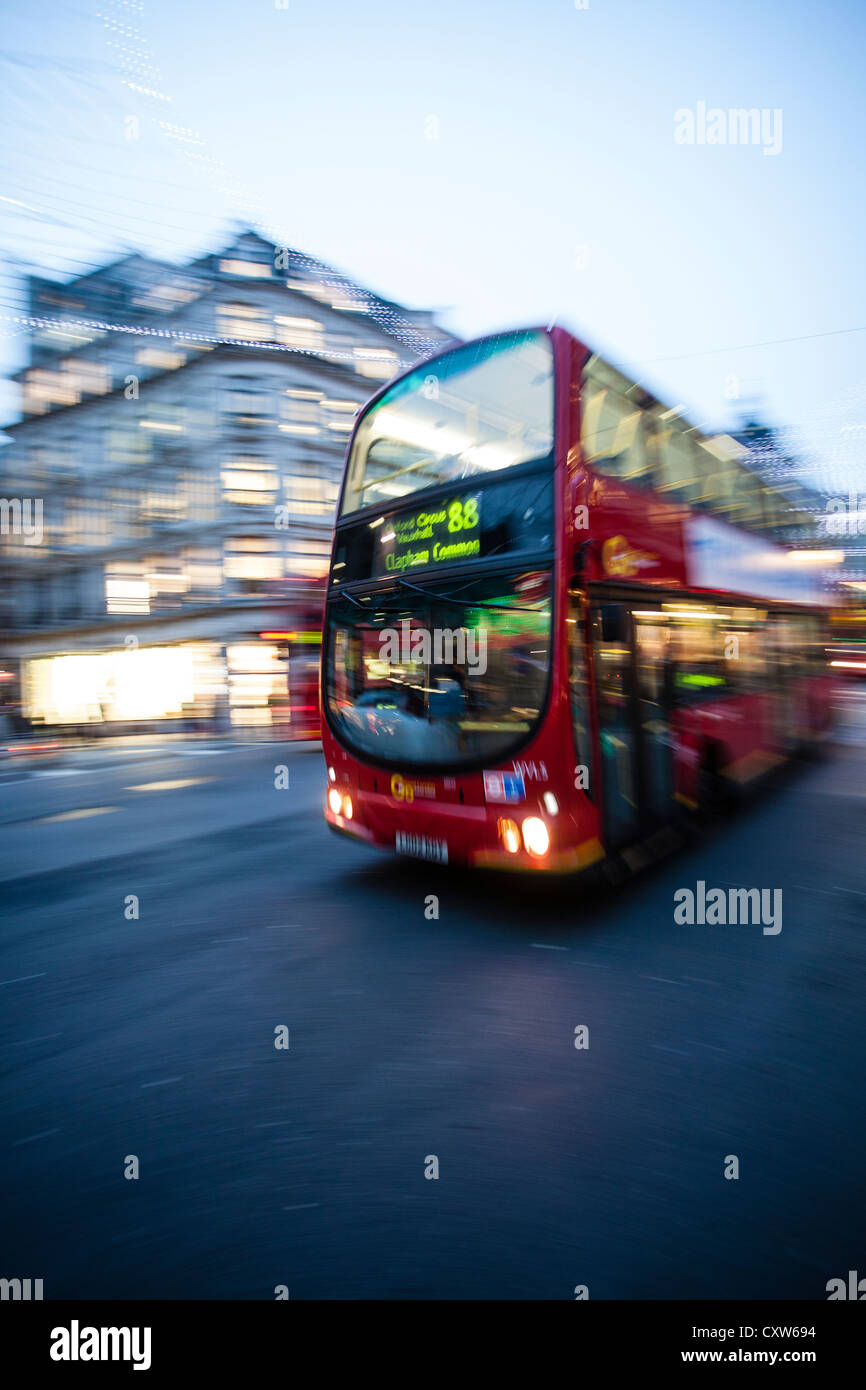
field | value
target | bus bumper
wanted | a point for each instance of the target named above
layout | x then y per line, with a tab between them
568	860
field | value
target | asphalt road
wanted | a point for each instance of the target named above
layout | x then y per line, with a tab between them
411	1037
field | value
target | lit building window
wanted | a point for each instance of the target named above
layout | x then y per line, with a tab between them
251	558
308	334
376	362
311	287
309	496
166	296
167	579
159	424
258	682
257	270
246	321
162	504
126	594
340	415
300	412
164	358
141	684
43	389
346	302
249	482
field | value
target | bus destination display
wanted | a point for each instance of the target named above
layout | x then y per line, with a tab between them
444	533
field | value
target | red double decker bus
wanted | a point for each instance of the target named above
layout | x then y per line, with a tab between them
558	617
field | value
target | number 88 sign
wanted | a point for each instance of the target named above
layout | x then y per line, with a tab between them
463	514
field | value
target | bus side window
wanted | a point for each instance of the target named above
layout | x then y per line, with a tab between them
676	464
716	471
701	669
744	650
612	434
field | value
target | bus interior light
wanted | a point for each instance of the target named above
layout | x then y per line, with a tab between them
536	836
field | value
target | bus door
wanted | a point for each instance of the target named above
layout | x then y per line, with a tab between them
617	725
654	673
634	685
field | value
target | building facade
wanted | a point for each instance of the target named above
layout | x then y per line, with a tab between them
169	491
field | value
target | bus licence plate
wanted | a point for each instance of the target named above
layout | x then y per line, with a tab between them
421	847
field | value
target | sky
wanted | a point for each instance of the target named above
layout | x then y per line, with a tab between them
504	161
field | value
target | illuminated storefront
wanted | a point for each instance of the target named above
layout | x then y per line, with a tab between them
130	685
195	681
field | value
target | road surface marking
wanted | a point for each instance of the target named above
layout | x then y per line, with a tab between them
168	786
25	1042
662	980
166	1082
19	978
82	814
540	946
31	1138
303	1206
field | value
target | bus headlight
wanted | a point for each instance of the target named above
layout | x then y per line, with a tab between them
335	801
332	776
348	808
509	835
535	836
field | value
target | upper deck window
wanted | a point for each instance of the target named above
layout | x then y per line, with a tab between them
478	409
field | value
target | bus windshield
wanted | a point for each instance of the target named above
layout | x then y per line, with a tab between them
431	676
470	412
